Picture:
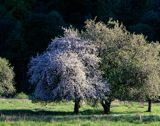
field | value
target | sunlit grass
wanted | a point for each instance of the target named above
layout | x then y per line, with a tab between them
23	112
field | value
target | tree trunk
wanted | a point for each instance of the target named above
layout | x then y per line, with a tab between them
149	105
76	106
106	104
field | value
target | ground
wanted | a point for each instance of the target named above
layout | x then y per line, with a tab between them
22	112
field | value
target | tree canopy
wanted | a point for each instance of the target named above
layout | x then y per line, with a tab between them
129	62
6	78
68	70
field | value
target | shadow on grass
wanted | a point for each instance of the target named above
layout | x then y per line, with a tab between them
49	116
43	112
28	112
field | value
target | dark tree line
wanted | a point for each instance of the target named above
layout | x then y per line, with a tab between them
27	26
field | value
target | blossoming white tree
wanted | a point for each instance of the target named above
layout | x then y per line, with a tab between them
68	70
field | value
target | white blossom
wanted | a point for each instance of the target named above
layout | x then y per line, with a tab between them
67	70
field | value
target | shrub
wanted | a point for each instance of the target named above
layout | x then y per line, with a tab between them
21	96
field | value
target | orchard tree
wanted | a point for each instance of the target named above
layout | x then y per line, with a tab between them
6	78
148	60
68	70
129	62
109	39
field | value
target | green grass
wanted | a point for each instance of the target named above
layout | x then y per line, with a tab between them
21	112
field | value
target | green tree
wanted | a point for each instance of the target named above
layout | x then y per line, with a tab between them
129	62
6	78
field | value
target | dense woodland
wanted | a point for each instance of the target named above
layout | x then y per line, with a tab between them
27	26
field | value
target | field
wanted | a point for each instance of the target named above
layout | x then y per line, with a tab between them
16	112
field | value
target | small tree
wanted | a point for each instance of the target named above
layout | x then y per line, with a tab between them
129	62
68	70
149	64
6	78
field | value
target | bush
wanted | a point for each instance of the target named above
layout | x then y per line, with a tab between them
6	78
21	96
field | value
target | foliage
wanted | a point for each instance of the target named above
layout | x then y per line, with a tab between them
2	10
40	29
21	96
41	21
145	29
6	27
17	52
129	62
68	70
6	78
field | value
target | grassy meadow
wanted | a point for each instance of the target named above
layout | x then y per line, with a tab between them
22	112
